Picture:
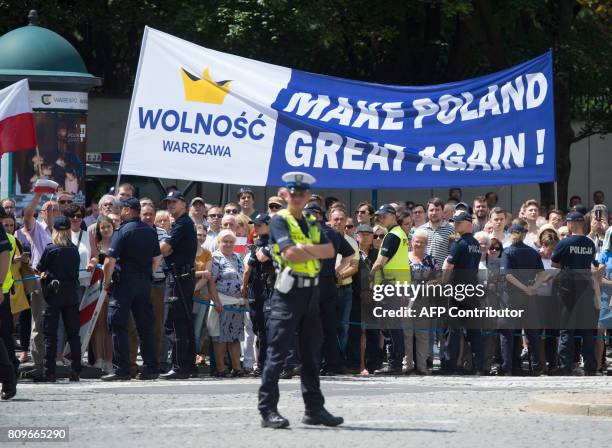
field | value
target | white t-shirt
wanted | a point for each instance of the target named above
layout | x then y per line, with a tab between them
84	253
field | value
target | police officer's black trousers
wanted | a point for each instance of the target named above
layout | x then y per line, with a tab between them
297	310
567	349
7	368
66	305
328	297
256	311
511	345
132	295
453	344
179	321
6	330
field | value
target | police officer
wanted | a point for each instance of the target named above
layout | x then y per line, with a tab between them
7	369
575	255
132	258
392	265
328	291
297	246
461	268
179	251
258	284
59	264
6	316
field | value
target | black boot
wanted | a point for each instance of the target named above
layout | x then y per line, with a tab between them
274	420
321	417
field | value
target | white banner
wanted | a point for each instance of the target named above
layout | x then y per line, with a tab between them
194	111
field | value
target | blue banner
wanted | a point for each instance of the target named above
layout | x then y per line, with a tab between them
492	130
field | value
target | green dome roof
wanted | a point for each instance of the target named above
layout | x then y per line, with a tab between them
32	48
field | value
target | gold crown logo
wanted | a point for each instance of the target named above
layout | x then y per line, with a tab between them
204	90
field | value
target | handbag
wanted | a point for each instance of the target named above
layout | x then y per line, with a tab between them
29	286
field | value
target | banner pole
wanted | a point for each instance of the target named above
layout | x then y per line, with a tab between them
556	197
129	120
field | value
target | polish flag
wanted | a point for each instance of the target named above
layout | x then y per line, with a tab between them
16	119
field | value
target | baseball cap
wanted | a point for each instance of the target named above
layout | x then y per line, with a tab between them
364	228
61	223
517	228
460	216
175	195
462	205
244	190
275	200
574	217
261	218
132	203
386	208
197	199
581	209
313	208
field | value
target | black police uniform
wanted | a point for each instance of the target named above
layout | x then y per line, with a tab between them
7	369
328	291
524	263
133	245
261	285
180	284
575	255
465	257
61	263
296	310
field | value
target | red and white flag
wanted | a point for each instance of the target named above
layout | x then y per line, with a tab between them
17	132
89	310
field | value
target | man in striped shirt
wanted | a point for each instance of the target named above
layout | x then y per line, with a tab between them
439	232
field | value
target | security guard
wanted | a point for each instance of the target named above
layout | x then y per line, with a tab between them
461	267
132	258
7	369
574	255
179	251
258	284
328	292
297	246
59	264
392	264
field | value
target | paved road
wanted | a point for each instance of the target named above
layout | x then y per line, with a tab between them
406	411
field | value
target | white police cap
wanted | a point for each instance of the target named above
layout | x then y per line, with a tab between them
297	180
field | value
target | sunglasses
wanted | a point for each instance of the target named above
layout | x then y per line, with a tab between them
77	217
65	201
378	236
494	249
232	211
215	215
274	206
349	226
362	212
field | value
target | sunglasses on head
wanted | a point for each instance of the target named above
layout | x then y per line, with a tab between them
232	211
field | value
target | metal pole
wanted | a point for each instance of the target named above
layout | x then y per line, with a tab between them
556	197
129	120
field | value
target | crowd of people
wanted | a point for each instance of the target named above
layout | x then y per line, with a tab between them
228	254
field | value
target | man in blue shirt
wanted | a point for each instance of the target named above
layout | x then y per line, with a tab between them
575	255
134	251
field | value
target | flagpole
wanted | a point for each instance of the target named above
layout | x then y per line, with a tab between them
129	120
40	175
